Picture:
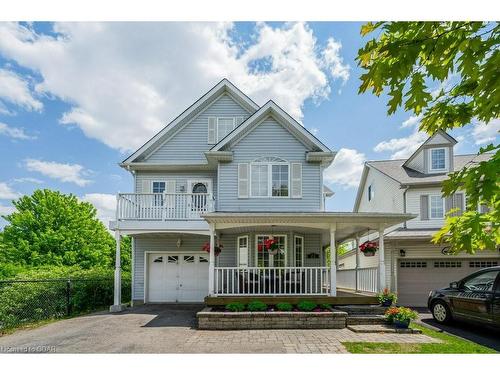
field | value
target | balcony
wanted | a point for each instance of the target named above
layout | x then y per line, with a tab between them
163	206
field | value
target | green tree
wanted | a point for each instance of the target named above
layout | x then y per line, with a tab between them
462	59
51	228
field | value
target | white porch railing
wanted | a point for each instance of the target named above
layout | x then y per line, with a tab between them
164	206
234	281
367	279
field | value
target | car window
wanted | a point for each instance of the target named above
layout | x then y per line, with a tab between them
481	283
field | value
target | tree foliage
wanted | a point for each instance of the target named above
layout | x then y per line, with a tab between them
462	59
51	228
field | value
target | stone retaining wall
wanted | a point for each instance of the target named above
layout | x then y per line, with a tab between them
217	320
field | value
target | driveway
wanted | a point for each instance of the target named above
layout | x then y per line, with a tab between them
171	329
479	334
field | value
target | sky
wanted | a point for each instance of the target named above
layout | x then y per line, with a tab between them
78	98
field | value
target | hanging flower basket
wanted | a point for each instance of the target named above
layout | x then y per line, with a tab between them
218	248
270	245
368	248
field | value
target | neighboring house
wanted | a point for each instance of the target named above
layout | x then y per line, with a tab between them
229	173
414	265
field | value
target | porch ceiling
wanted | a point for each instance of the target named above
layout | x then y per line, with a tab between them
348	224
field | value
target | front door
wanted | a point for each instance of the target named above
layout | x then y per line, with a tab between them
201	191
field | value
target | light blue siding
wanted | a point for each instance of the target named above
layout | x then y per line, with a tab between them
180	178
269	139
189	144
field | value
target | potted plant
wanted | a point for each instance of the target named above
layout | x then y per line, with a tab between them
401	316
271	245
386	298
368	248
218	248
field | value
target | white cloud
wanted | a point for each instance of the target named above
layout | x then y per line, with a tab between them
125	81
15	133
74	173
485	132
16	90
6	210
6	192
105	205
346	169
314	131
28	180
412	121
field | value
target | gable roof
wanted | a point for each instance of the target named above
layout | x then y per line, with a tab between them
452	140
400	173
224	86
271	108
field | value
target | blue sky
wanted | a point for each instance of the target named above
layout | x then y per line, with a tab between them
75	99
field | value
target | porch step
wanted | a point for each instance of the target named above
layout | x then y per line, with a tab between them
362	309
365	319
380	328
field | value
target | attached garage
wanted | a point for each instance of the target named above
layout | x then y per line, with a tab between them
416	277
176	277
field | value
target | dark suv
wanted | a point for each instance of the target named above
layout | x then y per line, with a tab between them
475	298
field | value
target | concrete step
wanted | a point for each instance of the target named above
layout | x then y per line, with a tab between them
365	319
380	328
362	309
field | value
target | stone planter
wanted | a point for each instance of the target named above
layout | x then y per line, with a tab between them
217	320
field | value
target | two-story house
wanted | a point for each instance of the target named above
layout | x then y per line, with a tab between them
414	265
228	200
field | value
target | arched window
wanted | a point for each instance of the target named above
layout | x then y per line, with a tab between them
269	177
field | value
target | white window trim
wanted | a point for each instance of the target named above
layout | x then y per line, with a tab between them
271	257
445	160
430	207
295	251
269	179
217	139
238	249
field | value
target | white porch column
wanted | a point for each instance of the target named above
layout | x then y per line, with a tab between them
381	257
211	262
117	303
356	243
333	263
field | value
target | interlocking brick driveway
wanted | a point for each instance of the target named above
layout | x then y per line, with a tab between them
170	329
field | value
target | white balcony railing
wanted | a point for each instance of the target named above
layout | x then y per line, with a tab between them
367	279
236	281
164	206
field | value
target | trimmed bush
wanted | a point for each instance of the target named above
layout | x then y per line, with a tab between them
257	306
325	306
235	306
306	306
284	306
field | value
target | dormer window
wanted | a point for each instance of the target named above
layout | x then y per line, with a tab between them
438	159
371	193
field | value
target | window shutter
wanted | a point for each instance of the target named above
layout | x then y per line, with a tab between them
146	186
459	203
170	188
296	180
239	120
212	130
448	204
483	209
243	180
424	207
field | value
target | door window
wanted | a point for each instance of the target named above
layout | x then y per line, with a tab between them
481	283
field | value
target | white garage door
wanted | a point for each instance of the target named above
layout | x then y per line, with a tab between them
177	277
417	277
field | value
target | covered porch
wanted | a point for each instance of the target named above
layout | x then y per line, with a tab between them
299	266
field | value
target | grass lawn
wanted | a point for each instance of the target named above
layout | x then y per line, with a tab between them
450	344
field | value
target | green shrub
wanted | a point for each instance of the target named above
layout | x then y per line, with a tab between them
306	306
284	306
235	306
325	306
257	306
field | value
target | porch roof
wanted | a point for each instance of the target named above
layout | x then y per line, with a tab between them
348	224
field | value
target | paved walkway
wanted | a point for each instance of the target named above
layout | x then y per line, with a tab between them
170	329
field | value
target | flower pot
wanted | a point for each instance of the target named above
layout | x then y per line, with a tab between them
369	253
387	303
401	323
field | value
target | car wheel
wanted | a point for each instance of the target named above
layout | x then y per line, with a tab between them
441	312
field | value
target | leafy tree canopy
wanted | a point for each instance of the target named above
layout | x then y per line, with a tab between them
51	228
462	59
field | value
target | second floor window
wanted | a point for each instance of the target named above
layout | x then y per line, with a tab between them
270	178
225	125
436	203
438	159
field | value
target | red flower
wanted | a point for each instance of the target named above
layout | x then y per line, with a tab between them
368	246
217	248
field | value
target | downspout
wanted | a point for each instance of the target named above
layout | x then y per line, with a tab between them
404	203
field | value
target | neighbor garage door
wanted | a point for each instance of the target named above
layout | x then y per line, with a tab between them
416	277
177	277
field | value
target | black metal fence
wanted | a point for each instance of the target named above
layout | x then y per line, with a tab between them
28	301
